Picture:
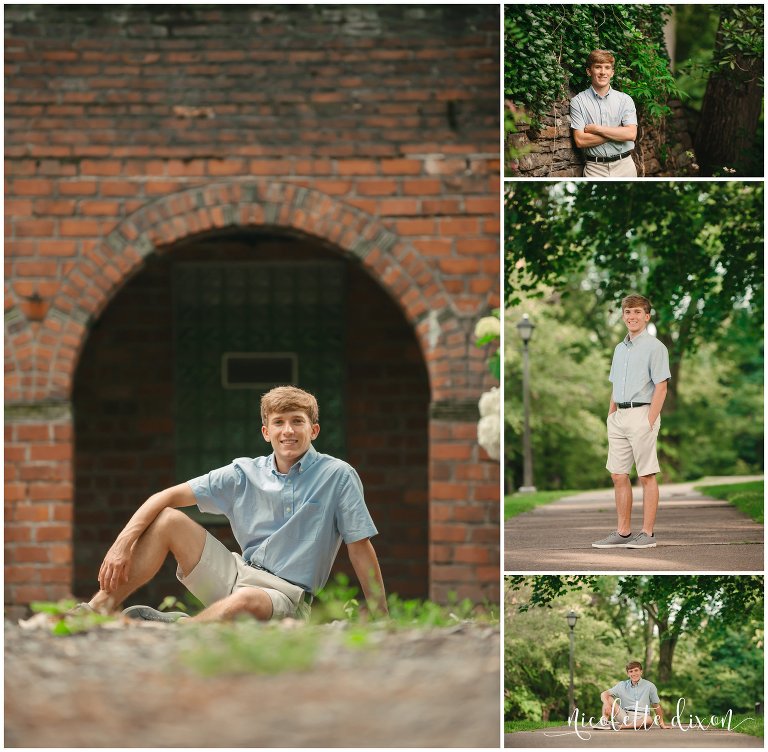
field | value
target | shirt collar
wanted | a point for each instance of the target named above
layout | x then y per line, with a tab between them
309	458
597	96
644	333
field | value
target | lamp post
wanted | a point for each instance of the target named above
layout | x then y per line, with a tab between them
525	327
571	619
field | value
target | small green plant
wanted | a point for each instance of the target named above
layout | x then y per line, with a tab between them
249	647
67	620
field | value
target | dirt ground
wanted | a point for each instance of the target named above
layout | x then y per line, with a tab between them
128	686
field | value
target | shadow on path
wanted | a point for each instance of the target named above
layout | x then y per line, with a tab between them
695	533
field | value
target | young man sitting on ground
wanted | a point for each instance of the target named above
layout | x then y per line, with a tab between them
289	512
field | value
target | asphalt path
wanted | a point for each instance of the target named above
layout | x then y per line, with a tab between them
654	738
695	533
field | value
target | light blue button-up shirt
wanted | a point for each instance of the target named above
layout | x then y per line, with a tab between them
614	109
638	365
639	697
290	524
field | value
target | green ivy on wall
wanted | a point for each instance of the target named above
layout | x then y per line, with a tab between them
546	48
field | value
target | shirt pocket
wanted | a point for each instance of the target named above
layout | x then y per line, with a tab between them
306	522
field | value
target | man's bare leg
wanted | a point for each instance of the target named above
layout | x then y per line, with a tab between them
246	600
650	502
172	531
622	489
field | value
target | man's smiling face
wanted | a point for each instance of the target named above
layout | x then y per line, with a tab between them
635	319
291	435
600	74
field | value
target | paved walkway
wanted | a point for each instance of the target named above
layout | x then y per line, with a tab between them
652	739
695	533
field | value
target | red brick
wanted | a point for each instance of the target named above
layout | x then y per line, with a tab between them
377	187
401	167
32	187
357	167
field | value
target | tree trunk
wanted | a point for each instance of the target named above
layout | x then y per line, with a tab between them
667	644
649	638
730	112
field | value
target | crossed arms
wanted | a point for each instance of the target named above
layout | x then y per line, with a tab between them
594	135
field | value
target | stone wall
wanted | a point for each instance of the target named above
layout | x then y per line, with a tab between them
549	151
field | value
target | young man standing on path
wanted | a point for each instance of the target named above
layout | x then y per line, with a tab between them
628	704
604	122
639	374
289	512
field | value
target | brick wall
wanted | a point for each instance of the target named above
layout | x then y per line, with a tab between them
372	130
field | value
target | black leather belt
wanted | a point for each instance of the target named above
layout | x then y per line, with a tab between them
625	405
614	158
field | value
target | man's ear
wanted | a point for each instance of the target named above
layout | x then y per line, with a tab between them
265	433
315	430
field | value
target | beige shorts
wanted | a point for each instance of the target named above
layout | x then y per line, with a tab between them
621	168
631	440
220	572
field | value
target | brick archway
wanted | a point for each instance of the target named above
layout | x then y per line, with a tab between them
463	488
99	273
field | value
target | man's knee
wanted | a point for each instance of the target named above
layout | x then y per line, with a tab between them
253	601
620	479
648	480
169	521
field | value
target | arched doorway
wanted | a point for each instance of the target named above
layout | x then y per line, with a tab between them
164	388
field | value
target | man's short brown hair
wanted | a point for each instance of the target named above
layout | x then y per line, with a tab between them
636	301
634	664
288	399
600	56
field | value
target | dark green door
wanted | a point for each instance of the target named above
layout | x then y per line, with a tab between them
241	328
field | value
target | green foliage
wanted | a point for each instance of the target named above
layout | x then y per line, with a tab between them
561	409
748	723
510	727
742	28
339	600
248	647
695	249
68	621
546	48
718	624
748	497
514	117
518	503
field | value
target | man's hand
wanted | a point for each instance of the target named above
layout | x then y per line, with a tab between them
116	565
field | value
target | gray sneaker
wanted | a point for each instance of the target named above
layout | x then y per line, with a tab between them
614	540
147	613
642	540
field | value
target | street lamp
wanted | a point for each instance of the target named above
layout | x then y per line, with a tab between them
571	618
526	327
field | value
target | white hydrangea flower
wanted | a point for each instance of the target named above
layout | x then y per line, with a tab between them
489	402
489	435
487	326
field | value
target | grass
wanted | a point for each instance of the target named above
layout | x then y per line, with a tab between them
510	727
518	503
752	727
748	497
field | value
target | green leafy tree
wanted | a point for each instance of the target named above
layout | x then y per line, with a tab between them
677	605
694	249
562	407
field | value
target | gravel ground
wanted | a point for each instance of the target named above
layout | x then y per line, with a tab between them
127	685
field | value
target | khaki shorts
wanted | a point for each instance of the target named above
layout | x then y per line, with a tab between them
621	168
220	572
631	440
